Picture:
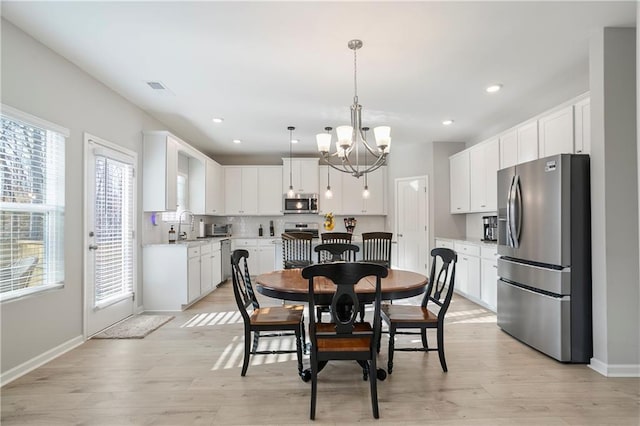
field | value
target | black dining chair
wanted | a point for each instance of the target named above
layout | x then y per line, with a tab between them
333	252
296	249
277	320
439	293
376	248
343	338
333	238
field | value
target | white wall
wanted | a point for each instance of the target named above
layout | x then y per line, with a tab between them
614	202
38	81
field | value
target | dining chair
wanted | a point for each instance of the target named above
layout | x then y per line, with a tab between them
333	238
439	293
274	319
296	249
333	252
343	338
376	247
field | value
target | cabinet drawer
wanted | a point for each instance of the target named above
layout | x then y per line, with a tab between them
445	244
205	249
246	242
490	253
469	249
193	251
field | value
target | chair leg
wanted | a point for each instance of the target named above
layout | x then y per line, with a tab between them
319	313
303	337
392	335
299	345
443	363
373	379
247	351
362	313
425	343
314	386
256	337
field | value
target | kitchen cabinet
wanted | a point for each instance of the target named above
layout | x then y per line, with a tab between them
206	269
269	194
527	142
262	253
303	174
206	186
582	126
216	264
241	190
459	182
333	204
489	276
468	270
177	275
353	202
508	149
484	163
160	171
556	132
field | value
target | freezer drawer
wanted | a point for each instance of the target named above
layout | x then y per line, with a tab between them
542	322
557	281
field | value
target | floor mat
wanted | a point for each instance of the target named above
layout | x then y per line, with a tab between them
135	327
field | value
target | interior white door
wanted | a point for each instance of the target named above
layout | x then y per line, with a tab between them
412	219
110	234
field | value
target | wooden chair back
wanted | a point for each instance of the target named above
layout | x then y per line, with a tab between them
335	238
376	248
296	249
242	288
444	280
334	252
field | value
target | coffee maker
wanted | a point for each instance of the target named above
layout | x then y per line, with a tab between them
490	228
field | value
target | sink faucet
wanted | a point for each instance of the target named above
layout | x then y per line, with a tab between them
182	236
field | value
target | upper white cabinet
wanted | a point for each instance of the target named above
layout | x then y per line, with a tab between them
527	142
556	132
484	163
303	174
353	202
241	190
582	116
160	171
459	182
269	194
508	149
206	186
334	179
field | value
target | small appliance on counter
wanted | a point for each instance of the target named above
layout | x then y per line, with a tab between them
219	230
350	224
490	228
311	228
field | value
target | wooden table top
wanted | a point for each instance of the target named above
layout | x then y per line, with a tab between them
288	284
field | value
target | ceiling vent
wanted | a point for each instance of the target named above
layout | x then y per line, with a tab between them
156	85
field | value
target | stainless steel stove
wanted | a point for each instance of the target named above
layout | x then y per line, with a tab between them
310	227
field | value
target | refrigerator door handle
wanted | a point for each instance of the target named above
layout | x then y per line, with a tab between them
511	230
517	223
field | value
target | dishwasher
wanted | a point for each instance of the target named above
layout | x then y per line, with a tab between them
225	254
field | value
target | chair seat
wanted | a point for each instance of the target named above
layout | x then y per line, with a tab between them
346	344
277	315
408	314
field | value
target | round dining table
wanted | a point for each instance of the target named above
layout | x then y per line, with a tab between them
288	284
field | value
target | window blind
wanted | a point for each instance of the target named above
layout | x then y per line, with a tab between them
32	206
114	226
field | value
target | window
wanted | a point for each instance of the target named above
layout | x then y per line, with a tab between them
31	204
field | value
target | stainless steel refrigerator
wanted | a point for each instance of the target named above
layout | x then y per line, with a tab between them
544	240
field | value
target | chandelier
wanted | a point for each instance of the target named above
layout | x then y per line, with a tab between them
352	140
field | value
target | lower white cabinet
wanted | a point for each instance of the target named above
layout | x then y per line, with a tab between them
468	270
262	253
216	264
489	277
176	275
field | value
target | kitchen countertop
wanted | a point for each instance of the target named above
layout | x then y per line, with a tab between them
469	241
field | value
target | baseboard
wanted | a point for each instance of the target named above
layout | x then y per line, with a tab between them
24	368
615	370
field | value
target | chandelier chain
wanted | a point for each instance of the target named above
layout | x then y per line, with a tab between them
355	75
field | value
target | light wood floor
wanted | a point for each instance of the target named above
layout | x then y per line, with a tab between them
188	373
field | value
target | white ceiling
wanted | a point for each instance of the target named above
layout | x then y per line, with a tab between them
266	65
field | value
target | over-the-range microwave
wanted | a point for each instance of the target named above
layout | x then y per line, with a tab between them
300	204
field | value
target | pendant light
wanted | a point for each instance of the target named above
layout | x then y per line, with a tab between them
328	193
291	192
365	191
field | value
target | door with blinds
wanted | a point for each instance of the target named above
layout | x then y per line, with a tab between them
110	261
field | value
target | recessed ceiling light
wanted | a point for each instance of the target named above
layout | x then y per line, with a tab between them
237	141
447	122
217	120
294	141
494	88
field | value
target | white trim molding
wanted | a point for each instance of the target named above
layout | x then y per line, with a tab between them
38	361
615	370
